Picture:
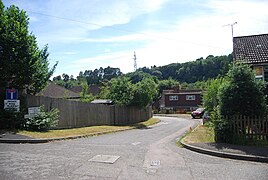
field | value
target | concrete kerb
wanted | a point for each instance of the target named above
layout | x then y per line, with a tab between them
46	140
225	154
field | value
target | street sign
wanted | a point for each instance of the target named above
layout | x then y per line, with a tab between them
33	111
11	94
12	105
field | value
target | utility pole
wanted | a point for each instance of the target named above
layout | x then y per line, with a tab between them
232	28
135	61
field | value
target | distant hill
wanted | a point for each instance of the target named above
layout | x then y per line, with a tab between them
190	72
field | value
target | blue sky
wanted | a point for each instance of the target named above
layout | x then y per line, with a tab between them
88	34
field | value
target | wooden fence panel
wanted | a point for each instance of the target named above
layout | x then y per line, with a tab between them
256	127
79	114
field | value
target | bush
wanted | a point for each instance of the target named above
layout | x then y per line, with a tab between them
222	127
241	93
43	120
11	120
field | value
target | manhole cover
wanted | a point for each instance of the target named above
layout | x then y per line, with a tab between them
105	159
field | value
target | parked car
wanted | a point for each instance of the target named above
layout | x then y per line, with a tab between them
198	113
205	117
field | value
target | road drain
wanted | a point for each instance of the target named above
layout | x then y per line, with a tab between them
109	159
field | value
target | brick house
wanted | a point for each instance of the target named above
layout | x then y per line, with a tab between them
253	50
180	100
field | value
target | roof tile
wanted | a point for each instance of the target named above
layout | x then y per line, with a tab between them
251	49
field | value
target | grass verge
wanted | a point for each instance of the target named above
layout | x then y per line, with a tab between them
92	130
200	134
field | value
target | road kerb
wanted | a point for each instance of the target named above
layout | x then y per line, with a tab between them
225	154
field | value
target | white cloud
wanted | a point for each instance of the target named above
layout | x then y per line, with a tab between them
251	15
71	21
187	37
202	35
122	60
123	38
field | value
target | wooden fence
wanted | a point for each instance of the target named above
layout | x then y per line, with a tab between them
79	114
253	128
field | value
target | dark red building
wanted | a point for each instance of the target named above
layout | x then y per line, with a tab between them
180	100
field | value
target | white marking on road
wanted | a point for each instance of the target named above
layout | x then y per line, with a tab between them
151	171
104	159
155	163
136	143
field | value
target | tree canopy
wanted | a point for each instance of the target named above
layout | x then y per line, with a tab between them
99	75
23	64
193	71
241	93
210	98
123	92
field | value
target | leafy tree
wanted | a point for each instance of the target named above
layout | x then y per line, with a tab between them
85	97
99	75
121	91
137	76
210	98
167	84
110	73
67	81
57	78
65	77
157	74
241	93
23	64
145	92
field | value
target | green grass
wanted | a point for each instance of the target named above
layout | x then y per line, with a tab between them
200	134
92	130
204	134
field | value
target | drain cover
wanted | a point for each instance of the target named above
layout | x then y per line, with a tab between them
104	159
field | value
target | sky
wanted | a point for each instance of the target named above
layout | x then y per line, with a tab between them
89	34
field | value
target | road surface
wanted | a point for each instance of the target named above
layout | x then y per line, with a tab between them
135	154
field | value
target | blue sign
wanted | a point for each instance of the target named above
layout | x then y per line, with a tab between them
11	94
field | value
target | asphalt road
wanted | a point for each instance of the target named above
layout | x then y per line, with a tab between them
143	154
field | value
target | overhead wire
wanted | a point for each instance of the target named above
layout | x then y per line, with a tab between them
123	30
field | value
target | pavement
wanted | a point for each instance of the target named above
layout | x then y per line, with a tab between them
248	153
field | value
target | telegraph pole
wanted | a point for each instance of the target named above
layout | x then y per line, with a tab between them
232	28
135	61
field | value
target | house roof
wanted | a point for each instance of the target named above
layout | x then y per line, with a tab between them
184	93
56	91
251	49
93	89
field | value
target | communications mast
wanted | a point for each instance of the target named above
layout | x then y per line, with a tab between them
135	61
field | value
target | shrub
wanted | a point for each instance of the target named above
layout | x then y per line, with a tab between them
11	120
239	94
222	127
43	120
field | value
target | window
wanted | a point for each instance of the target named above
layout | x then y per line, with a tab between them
173	98
190	97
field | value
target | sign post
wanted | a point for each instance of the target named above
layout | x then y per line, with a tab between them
11	102
11	94
12	105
